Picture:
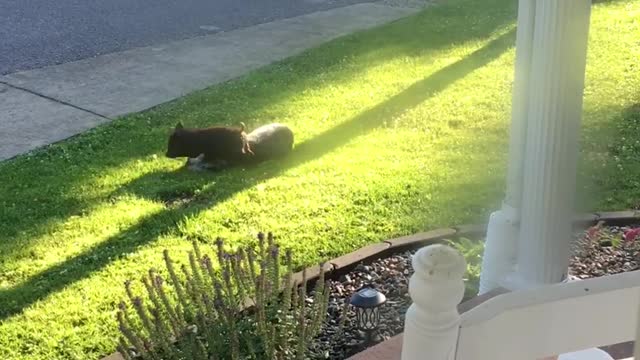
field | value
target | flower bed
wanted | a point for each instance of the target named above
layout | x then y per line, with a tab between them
599	251
606	248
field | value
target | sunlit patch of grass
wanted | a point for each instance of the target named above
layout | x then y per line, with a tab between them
398	129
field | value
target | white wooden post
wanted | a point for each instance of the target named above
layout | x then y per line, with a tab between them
551	154
436	288
535	219
636	347
502	233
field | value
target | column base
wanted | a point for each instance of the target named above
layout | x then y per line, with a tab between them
500	249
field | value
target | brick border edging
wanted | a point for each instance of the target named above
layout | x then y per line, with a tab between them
345	263
411	242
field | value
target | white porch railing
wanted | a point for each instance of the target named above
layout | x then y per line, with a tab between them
521	325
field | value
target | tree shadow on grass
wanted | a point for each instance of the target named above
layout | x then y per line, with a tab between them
148	229
55	176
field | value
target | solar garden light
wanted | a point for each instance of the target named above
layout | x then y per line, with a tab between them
367	302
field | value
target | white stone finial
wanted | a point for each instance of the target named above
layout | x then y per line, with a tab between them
436	288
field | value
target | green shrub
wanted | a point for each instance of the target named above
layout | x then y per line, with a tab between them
472	250
246	309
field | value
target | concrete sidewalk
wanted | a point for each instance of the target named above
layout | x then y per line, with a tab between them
46	105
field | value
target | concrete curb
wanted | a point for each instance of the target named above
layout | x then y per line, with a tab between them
409	242
617	217
348	261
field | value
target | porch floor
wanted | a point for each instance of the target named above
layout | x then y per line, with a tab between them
391	349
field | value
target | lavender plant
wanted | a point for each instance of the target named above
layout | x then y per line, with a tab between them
247	308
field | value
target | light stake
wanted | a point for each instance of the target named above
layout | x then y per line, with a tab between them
367	302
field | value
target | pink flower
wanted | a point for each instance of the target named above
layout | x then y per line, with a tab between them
592	232
631	234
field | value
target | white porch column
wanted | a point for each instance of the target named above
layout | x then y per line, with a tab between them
502	232
436	288
551	152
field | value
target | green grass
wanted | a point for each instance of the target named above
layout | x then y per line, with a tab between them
398	129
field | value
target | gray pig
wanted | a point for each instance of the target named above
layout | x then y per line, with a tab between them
267	142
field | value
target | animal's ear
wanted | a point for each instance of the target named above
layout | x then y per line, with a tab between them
242	126
179	125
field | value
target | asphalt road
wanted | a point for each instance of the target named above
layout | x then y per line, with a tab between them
37	33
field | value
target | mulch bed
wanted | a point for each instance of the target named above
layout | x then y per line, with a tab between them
599	251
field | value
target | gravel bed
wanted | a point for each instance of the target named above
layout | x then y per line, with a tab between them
605	252
595	252
391	277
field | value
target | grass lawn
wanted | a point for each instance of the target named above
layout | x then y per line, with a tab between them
399	129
